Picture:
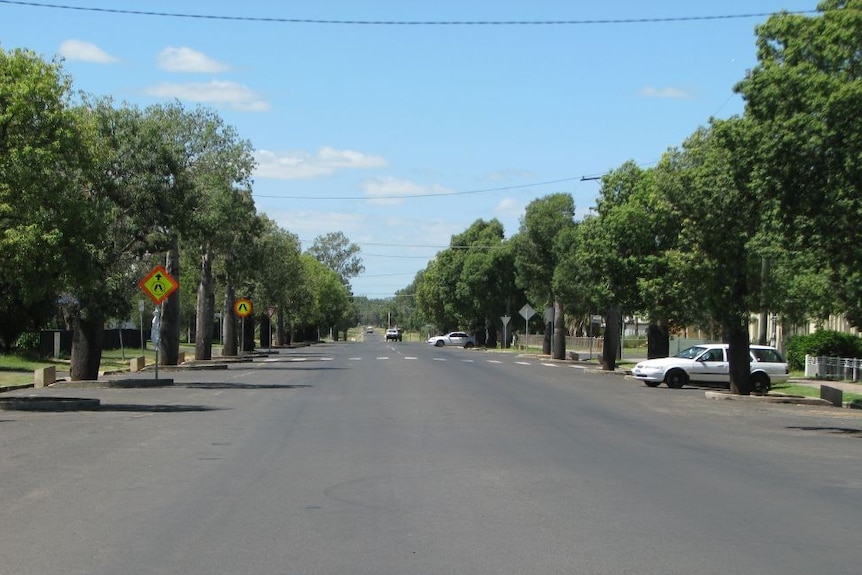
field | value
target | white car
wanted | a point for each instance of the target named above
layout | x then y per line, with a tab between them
709	363
452	338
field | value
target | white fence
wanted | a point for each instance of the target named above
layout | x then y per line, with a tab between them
838	368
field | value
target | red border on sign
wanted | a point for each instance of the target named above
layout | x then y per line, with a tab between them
240	301
172	284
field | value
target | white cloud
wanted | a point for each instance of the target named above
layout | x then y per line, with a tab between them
509	208
184	59
308	225
303	165
671	92
85	52
393	191
230	94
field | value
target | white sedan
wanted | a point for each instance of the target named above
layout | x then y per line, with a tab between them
452	338
709	363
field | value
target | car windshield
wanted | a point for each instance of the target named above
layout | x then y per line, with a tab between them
691	352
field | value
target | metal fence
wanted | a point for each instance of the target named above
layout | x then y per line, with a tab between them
837	368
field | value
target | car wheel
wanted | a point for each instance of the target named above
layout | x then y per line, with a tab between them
468	345
760	383
652	383
438	343
676	378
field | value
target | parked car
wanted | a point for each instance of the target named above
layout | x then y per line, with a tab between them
393	333
452	338
369	329
708	363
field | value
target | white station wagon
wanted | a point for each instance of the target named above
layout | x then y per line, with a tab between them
708	363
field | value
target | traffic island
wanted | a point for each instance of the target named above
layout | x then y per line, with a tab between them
776	398
31	403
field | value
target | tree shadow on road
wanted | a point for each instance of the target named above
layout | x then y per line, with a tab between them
143	408
833	430
234	385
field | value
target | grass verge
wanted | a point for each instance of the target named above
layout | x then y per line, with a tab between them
811	391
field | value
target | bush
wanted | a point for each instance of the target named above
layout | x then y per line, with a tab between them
27	343
821	343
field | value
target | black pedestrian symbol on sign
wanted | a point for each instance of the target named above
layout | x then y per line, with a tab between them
157	286
242	308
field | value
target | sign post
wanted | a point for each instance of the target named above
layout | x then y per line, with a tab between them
141	322
270	311
156	333
527	312
157	285
243	308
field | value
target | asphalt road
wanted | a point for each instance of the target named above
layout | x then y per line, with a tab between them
376	458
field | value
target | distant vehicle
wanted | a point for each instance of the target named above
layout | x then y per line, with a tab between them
452	338
393	333
709	363
369	329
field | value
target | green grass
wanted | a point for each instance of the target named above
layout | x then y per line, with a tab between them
811	391
18	369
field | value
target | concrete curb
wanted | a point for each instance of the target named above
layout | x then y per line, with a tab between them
115	383
794	399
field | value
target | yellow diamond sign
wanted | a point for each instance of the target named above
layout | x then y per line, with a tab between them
158	284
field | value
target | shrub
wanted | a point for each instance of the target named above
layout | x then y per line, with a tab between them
27	342
821	343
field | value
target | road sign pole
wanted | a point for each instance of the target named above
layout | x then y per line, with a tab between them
156	335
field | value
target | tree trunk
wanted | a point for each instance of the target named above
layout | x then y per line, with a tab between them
280	331
228	334
247	334
86	346
169	344
265	331
738	339
612	339
491	330
205	308
559	342
658	339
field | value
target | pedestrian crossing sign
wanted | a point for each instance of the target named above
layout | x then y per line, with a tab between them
158	284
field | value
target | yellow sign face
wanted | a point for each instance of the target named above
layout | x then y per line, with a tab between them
242	307
158	284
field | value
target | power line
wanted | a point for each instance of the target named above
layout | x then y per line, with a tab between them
428	195
270	19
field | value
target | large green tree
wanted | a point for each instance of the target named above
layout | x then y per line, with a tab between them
43	223
719	255
538	252
803	100
218	165
134	194
338	253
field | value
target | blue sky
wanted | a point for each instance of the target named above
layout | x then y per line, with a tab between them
400	136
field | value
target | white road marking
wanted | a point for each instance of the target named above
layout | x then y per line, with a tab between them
523	363
354	359
298	359
494	361
409	357
439	359
467	360
382	357
549	364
